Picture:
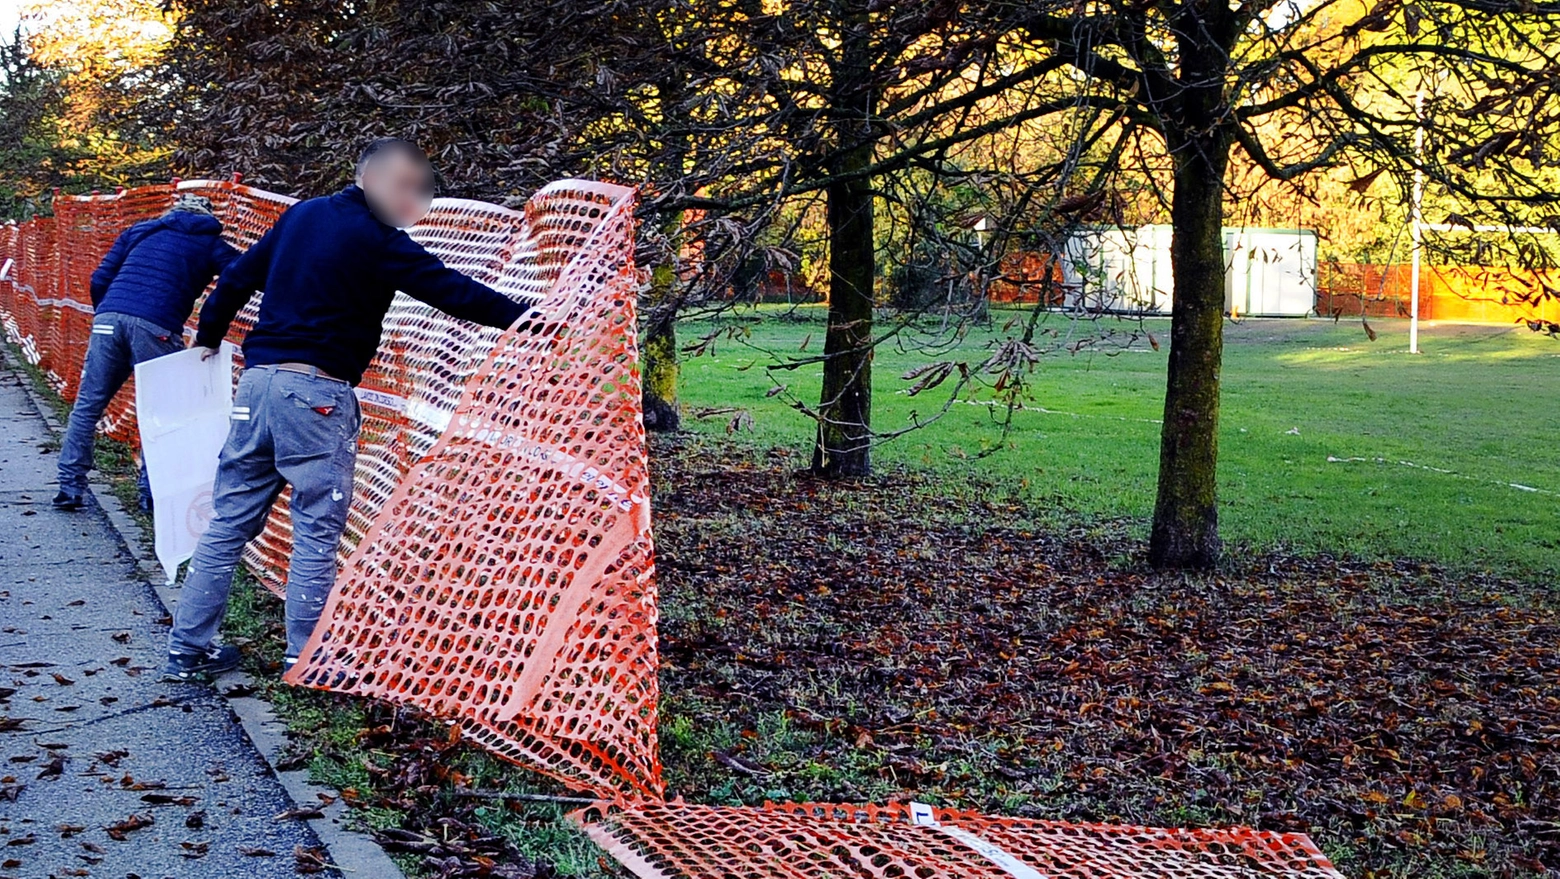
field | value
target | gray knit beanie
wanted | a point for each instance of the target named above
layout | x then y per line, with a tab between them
190	203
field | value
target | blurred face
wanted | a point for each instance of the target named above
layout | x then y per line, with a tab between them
399	188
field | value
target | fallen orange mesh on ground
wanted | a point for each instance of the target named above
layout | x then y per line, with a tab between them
664	840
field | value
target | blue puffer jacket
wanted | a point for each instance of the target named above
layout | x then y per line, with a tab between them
157	269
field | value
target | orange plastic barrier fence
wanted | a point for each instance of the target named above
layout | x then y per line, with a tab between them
507	587
1024	277
1456	294
507	582
408	394
828	841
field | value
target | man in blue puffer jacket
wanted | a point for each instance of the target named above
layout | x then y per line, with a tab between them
143	293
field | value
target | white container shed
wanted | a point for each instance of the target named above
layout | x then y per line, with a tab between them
1115	269
1268	272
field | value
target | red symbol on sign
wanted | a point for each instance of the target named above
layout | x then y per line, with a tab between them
198	517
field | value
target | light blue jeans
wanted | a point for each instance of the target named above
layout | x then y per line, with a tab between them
119	342
287	428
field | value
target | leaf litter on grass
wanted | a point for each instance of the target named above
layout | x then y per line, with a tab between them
890	640
923	646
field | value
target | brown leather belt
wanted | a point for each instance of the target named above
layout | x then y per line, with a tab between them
304	368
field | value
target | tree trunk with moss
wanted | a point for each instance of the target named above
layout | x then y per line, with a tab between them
1185	532
659	364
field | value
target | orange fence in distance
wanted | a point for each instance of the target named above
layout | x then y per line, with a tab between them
1025	277
1456	294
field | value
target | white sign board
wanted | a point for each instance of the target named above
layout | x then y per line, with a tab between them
182	404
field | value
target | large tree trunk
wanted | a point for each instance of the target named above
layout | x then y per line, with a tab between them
844	447
1186	515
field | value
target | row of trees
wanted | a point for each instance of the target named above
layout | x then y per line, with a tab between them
869	129
81	106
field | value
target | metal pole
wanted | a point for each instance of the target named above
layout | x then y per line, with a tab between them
1416	231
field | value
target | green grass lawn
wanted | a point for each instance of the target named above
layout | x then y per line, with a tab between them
1476	407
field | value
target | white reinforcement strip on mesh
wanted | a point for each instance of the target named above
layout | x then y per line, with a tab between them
992	852
393	402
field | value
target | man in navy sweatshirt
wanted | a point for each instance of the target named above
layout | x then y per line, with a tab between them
142	294
329	269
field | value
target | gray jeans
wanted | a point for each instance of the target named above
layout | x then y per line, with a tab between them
118	343
287	428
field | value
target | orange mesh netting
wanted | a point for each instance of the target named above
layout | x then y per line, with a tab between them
507	587
47	307
507	582
666	840
407	394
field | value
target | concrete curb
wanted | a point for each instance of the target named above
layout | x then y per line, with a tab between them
354	852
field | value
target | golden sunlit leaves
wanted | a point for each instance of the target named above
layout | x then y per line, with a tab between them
97	36
101	47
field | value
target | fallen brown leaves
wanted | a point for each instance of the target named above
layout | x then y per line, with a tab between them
452	848
299	813
411	760
121	830
254	851
1402	716
311	859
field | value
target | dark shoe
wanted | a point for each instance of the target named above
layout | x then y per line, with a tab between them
67	501
144	503
185	667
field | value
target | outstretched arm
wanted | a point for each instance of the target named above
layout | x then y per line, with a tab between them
242	277
421	275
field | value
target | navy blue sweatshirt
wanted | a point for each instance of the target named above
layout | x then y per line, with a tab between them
158	268
329	269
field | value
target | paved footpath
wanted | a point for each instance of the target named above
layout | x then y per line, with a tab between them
91	744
